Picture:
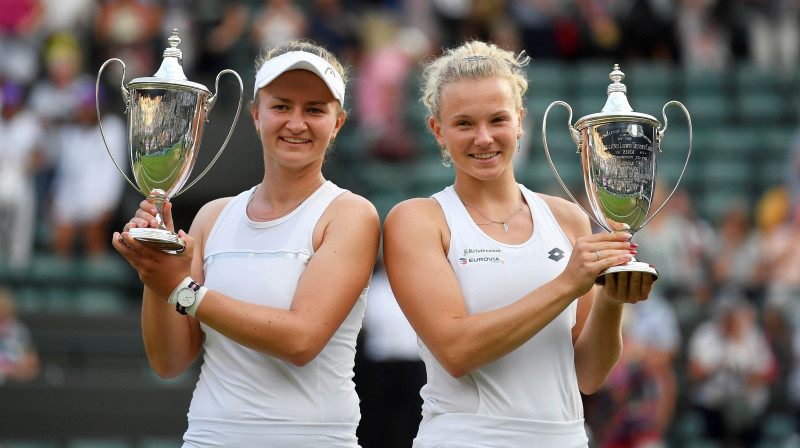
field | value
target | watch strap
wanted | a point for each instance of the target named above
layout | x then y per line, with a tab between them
173	298
200	292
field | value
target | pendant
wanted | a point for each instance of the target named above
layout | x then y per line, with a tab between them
505	226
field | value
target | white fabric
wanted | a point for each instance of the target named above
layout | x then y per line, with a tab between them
86	173
731	362
245	398
388	335
20	137
535	386
303	60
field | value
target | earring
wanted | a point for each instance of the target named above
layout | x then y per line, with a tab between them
519	138
446	159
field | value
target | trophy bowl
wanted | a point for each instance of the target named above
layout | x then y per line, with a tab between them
619	157
166	114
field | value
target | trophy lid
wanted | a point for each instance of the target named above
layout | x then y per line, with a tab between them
170	74
617	107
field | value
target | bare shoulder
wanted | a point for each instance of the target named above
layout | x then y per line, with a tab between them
208	214
350	206
418	212
351	220
569	216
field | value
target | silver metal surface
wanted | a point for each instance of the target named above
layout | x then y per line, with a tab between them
166	118
619	157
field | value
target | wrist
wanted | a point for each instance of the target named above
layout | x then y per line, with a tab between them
187	296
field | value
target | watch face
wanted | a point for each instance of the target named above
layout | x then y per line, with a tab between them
186	297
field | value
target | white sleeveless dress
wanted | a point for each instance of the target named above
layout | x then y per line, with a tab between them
245	398
529	397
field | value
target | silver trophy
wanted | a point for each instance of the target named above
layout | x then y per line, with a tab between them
166	116
619	153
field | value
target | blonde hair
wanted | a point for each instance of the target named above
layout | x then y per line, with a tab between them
470	61
308	47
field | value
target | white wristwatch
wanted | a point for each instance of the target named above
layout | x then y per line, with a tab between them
187	296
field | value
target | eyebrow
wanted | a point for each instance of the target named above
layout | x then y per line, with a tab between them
492	115
310	103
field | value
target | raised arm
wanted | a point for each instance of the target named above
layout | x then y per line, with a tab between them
597	334
416	239
172	341
346	243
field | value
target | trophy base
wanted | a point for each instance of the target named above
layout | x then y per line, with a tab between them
631	266
158	238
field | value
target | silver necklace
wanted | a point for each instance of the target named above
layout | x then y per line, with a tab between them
504	222
299	203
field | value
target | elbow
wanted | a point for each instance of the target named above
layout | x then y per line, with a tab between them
301	352
456	366
165	370
591	388
589	385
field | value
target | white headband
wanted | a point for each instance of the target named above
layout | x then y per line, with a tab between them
305	61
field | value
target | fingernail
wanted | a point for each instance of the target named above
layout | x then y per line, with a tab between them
634	245
634	252
627	235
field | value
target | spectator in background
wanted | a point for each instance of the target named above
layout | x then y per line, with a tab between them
382	92
278	21
638	401
85	173
773	33
779	267
734	249
21	148
223	27
730	367
54	99
127	29
18	358
704	38
330	23
675	242
647	28
390	373
75	17
19	46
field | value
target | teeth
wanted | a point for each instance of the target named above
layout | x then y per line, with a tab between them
484	156
294	140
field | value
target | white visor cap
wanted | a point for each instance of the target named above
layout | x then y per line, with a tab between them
303	60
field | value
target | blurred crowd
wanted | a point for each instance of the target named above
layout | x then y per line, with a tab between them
720	336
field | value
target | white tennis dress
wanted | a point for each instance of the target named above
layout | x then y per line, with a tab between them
529	397
245	398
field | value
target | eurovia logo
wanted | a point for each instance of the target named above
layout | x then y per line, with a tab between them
481	256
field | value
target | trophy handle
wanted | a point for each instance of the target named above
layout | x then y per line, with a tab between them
576	136
126	98
661	132
210	105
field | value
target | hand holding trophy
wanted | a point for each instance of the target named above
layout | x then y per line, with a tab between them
619	153
166	116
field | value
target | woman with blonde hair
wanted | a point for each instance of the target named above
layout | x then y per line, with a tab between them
499	281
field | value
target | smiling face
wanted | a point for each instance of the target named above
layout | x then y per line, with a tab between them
480	124
296	117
